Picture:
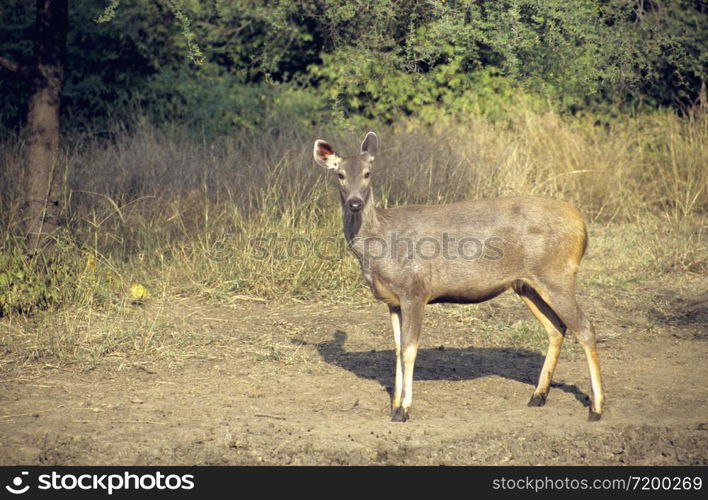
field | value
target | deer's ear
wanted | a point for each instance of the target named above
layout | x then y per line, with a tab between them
325	155
370	144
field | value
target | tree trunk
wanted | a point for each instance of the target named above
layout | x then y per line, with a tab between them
43	173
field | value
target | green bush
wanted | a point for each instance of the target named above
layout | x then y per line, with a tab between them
380	60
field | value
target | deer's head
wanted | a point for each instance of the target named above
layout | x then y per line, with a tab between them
353	172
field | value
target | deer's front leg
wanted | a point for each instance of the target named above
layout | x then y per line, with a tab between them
411	318
395	313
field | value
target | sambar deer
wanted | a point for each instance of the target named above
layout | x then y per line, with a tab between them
416	255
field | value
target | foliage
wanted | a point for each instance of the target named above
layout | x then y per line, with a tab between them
573	54
70	274
372	60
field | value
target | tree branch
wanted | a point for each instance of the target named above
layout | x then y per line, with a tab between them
14	68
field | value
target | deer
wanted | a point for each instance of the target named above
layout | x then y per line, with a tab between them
464	252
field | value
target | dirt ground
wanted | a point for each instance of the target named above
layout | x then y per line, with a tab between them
287	384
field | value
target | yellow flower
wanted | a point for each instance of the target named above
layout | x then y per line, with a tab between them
138	292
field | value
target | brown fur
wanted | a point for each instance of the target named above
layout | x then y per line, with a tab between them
466	252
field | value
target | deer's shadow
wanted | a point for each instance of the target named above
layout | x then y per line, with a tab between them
467	363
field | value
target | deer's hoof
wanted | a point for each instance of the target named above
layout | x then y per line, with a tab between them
593	416
399	415
537	400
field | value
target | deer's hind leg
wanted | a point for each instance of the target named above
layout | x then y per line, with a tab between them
556	334
563	312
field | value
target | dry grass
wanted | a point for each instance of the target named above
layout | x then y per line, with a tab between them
251	215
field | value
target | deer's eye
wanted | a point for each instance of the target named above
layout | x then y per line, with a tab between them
367	175
341	176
